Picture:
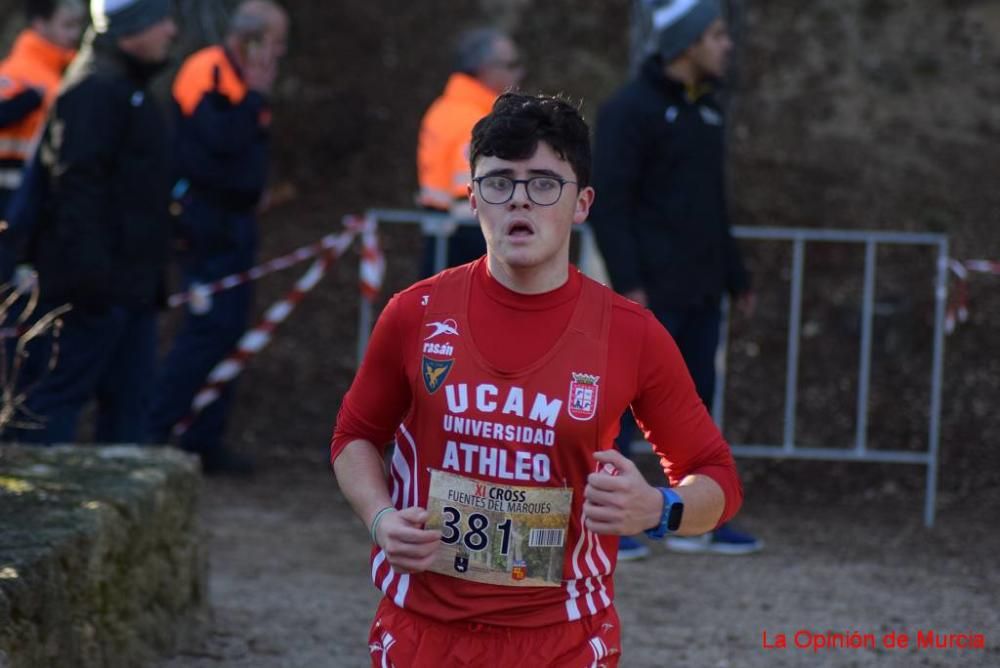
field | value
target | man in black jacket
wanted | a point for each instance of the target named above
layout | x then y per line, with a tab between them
660	213
103	232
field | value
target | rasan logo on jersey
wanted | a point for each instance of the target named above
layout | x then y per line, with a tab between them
445	327
439	348
434	371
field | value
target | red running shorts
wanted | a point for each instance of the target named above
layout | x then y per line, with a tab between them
403	639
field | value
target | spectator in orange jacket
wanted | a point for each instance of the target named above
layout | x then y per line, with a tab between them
486	64
29	79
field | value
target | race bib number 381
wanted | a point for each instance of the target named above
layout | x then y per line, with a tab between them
499	534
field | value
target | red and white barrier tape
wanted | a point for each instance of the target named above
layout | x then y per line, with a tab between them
958	309
372	261
254	340
982	266
199	293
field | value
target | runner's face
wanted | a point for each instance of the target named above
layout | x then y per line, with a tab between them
519	233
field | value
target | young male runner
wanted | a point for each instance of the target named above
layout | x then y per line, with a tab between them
501	383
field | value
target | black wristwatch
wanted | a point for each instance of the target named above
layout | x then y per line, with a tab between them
670	518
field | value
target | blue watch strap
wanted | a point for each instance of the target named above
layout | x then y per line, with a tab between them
670	518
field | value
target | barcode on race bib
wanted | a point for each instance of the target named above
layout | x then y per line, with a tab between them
546	537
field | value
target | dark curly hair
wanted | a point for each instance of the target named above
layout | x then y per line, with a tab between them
518	122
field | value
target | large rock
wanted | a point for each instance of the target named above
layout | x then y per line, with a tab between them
100	557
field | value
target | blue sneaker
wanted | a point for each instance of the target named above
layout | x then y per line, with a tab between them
724	540
629	549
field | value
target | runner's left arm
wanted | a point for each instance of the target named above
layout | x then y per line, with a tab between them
695	457
622	503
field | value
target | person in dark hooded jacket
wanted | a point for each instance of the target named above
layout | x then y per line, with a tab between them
661	217
103	230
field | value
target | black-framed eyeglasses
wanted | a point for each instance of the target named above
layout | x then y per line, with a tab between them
542	190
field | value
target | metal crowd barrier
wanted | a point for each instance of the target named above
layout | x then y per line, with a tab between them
859	451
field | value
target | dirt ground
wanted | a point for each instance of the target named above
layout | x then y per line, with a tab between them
289	577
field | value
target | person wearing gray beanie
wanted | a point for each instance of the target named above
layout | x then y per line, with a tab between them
101	240
677	24
119	18
660	216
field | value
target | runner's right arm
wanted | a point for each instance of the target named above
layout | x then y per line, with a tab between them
360	473
370	413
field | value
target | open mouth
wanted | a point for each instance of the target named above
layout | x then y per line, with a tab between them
520	229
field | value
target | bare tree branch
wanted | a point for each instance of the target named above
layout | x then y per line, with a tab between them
14	392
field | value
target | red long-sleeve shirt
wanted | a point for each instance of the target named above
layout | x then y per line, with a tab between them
510	332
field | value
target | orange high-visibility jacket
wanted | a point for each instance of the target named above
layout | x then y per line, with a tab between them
445	133
222	142
206	71
33	62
